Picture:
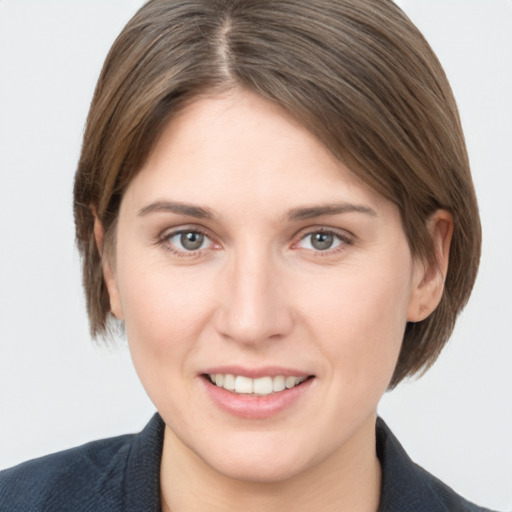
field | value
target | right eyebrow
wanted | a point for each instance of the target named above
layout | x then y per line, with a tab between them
189	210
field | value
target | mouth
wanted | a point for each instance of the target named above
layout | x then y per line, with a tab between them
257	393
262	386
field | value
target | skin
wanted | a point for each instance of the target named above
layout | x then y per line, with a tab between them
258	293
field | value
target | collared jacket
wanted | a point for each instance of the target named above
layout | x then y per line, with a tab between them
121	474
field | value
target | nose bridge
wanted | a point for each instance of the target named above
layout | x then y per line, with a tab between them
254	306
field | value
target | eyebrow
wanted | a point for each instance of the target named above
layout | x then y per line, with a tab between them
189	210
295	214
329	209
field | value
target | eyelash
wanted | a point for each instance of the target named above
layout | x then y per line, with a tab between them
343	238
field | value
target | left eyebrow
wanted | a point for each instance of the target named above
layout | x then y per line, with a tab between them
310	212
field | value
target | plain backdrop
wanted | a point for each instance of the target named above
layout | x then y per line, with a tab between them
58	389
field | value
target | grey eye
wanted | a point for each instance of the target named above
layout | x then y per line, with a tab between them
188	242
191	240
321	241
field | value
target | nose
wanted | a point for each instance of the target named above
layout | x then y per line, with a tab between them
253	307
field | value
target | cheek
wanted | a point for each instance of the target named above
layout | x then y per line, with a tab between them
358	320
165	311
156	306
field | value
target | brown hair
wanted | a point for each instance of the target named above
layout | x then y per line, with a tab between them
356	73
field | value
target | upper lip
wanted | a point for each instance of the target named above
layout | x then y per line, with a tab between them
255	373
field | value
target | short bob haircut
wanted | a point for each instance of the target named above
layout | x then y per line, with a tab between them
356	73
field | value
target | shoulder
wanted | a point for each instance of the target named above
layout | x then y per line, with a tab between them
450	499
408	487
60	478
92	477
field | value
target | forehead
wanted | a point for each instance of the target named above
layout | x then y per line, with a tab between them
238	145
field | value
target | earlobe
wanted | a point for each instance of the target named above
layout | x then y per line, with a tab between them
107	268
429	277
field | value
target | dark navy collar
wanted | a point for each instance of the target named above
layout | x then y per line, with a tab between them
407	487
141	486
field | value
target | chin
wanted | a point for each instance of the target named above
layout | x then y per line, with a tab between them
271	471
259	463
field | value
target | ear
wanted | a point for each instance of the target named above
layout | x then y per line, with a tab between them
108	269
429	278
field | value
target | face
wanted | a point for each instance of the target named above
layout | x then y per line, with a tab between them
264	290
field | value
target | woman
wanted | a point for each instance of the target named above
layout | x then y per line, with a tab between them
274	200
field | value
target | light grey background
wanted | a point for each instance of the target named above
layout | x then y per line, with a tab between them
57	389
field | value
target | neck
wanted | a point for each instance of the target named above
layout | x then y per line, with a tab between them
348	479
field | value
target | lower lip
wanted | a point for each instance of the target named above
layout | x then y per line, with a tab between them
252	406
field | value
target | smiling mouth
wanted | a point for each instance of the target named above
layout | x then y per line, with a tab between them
261	386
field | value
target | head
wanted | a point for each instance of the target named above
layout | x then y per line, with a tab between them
356	74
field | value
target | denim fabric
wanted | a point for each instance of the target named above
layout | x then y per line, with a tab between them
122	475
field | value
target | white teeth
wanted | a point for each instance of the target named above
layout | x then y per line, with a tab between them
229	382
290	382
262	386
278	383
243	385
